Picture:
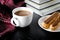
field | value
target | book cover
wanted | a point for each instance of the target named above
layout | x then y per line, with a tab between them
40	1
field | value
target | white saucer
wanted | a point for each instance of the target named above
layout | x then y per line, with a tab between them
42	20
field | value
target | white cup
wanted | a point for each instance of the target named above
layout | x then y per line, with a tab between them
21	21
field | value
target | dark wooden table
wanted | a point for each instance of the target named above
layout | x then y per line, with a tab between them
31	32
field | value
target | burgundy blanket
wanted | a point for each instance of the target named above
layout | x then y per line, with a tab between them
6	7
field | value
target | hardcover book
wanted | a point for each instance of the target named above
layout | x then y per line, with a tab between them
45	11
42	6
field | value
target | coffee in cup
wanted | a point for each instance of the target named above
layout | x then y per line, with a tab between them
22	13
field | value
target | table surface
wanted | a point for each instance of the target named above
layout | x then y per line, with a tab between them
31	32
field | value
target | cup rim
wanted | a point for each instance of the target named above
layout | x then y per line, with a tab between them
21	9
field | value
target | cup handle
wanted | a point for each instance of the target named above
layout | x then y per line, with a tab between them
14	22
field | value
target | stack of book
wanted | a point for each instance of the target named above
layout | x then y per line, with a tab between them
43	7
